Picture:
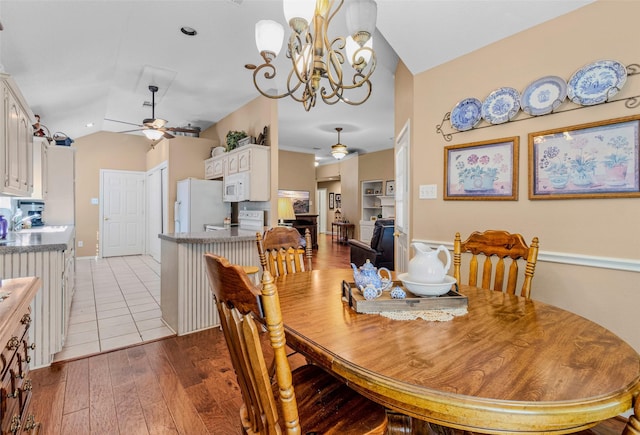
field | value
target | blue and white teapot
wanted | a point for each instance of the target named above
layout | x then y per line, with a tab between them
368	276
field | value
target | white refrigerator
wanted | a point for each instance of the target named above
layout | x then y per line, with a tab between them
199	202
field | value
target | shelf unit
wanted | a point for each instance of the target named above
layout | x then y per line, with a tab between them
388	204
371	207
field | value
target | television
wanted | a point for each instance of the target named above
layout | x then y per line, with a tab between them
300	199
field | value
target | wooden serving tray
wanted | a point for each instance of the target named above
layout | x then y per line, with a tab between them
354	297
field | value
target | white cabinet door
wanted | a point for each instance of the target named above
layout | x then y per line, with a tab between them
16	144
208	169
244	160
219	164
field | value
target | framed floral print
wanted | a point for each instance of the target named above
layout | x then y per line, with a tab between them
482	170
595	160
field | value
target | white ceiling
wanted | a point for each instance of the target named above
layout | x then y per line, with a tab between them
82	61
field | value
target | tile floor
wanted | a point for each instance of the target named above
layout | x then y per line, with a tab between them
116	304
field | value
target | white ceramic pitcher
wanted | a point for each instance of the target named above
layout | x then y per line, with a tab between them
425	266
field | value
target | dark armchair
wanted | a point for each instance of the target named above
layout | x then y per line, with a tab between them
380	250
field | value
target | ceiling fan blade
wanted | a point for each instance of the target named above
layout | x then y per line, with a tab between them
154	123
168	135
183	130
131	131
123	122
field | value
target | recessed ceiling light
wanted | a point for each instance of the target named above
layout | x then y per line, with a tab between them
189	31
89	124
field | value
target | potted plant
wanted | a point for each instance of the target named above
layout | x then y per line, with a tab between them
479	173
556	166
616	163
583	167
233	137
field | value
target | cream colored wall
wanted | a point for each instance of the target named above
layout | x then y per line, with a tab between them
186	156
252	118
103	150
299	174
124	152
583	227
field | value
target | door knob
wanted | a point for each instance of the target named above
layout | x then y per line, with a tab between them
396	234
106	219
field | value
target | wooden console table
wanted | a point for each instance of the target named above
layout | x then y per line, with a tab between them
304	221
343	231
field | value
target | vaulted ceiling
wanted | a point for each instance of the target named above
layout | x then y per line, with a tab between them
79	62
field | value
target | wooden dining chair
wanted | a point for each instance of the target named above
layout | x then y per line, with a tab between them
307	397
281	252
498	246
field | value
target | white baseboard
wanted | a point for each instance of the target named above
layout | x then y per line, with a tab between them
626	264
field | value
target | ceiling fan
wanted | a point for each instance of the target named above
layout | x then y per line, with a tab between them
154	128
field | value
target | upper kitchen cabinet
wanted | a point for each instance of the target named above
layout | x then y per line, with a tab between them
54	171
16	140
251	159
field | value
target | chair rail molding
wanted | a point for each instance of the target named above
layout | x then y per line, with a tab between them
626	264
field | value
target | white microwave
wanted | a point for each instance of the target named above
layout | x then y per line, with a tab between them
236	187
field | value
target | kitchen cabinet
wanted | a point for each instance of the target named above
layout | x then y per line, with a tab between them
214	167
54	172
49	255
15	383
251	159
16	140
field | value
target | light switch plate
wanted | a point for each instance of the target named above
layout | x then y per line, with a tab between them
428	191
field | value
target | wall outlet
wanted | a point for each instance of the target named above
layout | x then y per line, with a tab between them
80	243
428	191
94	201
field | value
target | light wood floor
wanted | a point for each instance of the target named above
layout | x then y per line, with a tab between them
183	385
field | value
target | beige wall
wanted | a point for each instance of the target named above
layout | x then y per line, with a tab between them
185	157
106	150
583	227
103	150
299	174
252	118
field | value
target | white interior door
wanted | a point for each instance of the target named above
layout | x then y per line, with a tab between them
122	223
402	199
321	205
156	208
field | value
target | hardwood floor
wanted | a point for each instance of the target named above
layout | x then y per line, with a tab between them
177	385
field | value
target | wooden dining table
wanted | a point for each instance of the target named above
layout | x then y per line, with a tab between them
509	365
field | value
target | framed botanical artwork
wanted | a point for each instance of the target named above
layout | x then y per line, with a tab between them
390	188
338	200
331	199
595	160
485	170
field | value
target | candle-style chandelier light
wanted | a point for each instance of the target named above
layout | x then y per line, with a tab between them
316	61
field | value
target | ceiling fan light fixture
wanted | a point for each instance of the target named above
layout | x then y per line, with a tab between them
339	150
153	134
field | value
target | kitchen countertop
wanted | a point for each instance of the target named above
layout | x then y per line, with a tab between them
37	239
232	234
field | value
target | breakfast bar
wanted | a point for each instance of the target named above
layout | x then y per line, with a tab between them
186	300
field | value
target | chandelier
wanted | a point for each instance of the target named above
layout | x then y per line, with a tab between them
338	150
316	61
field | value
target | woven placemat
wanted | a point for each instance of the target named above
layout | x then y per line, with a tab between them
443	315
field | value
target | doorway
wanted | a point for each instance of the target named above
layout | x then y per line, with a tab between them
402	198
321	205
157	208
122	210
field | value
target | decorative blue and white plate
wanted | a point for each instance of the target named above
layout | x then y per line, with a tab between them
597	82
501	105
543	96
466	114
